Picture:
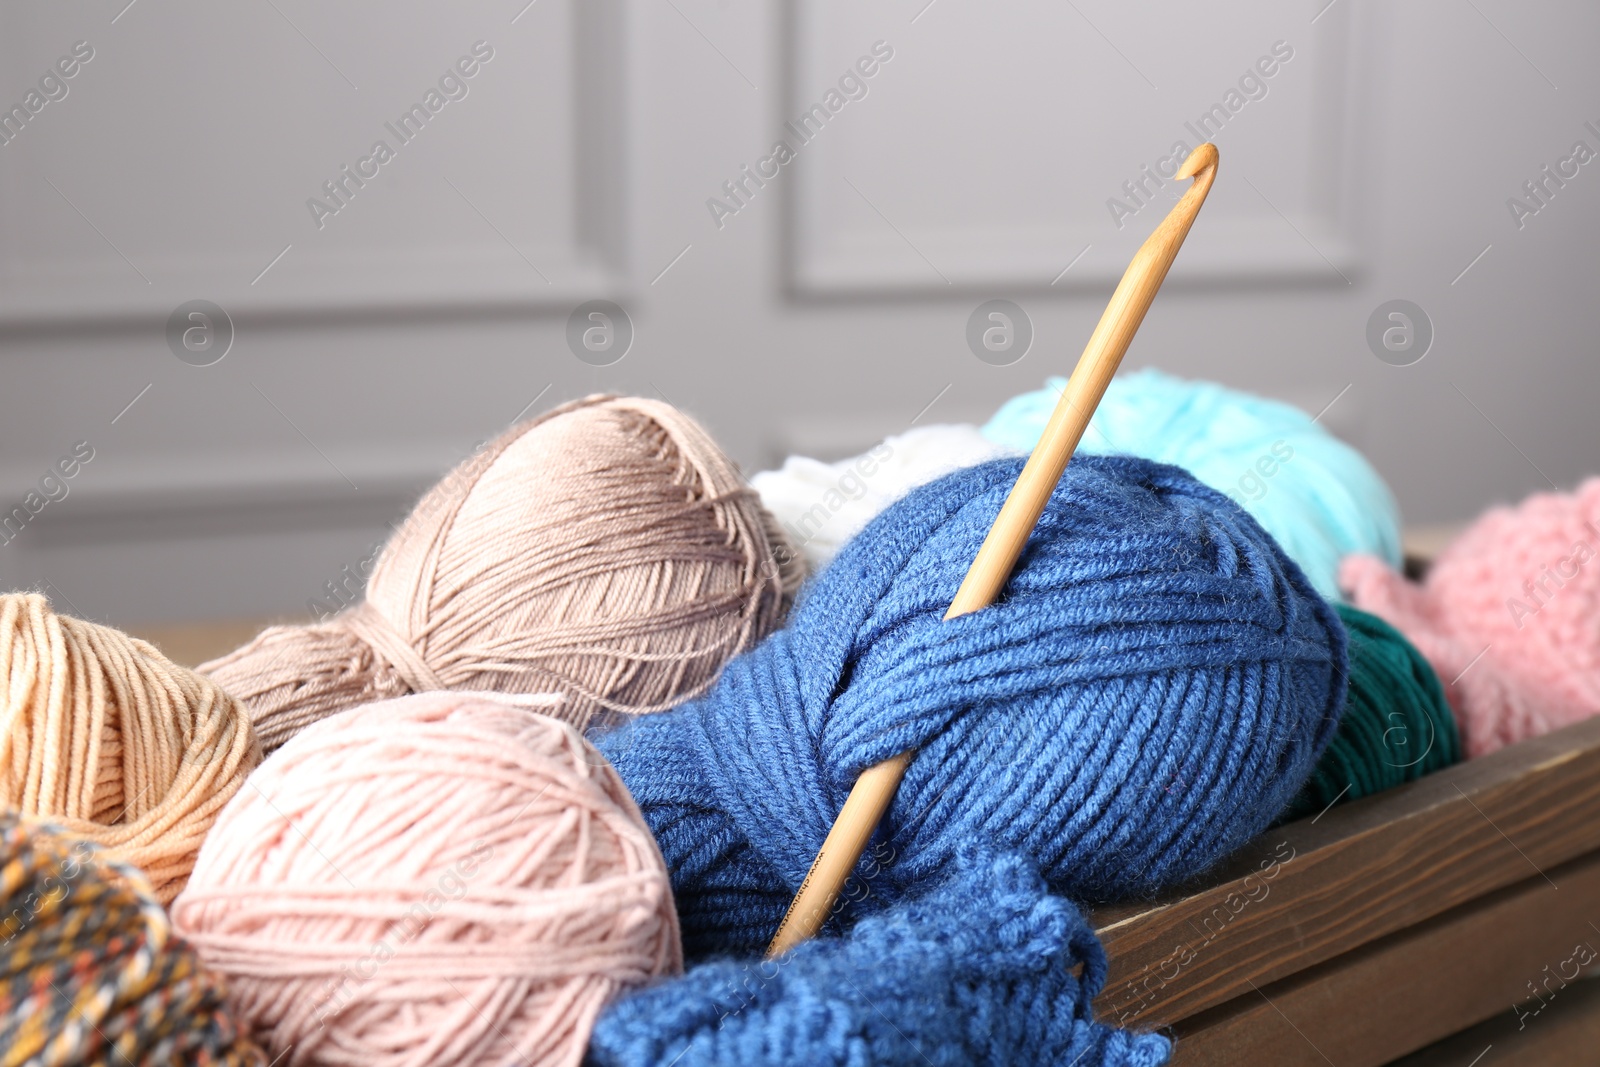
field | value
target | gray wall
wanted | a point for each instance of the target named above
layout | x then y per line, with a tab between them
374	346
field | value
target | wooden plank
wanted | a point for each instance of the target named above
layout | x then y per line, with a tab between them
1566	1030
1400	994
1316	889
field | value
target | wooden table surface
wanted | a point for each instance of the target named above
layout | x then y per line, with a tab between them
191	644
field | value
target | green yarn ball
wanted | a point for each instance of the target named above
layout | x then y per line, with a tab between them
1396	725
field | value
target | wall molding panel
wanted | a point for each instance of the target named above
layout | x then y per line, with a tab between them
858	211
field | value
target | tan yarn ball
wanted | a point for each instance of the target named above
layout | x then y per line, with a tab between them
113	742
607	551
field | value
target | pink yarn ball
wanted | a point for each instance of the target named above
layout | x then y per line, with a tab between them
1509	616
437	879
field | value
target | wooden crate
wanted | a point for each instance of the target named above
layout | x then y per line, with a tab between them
1389	924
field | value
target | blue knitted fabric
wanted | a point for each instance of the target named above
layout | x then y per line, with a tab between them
976	971
1153	687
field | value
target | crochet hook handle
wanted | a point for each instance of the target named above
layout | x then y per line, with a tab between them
874	790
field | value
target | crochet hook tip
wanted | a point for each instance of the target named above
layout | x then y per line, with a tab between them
1201	159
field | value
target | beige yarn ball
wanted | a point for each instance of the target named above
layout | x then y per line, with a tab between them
110	741
607	551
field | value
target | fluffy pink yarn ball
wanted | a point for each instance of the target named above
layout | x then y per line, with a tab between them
436	879
1509	616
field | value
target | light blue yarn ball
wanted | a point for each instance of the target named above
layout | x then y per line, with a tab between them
1317	496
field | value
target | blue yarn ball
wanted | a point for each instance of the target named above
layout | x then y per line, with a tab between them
1154	685
979	971
1317	495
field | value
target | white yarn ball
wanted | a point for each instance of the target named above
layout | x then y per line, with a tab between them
823	505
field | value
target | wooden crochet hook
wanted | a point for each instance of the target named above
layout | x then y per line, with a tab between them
874	790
